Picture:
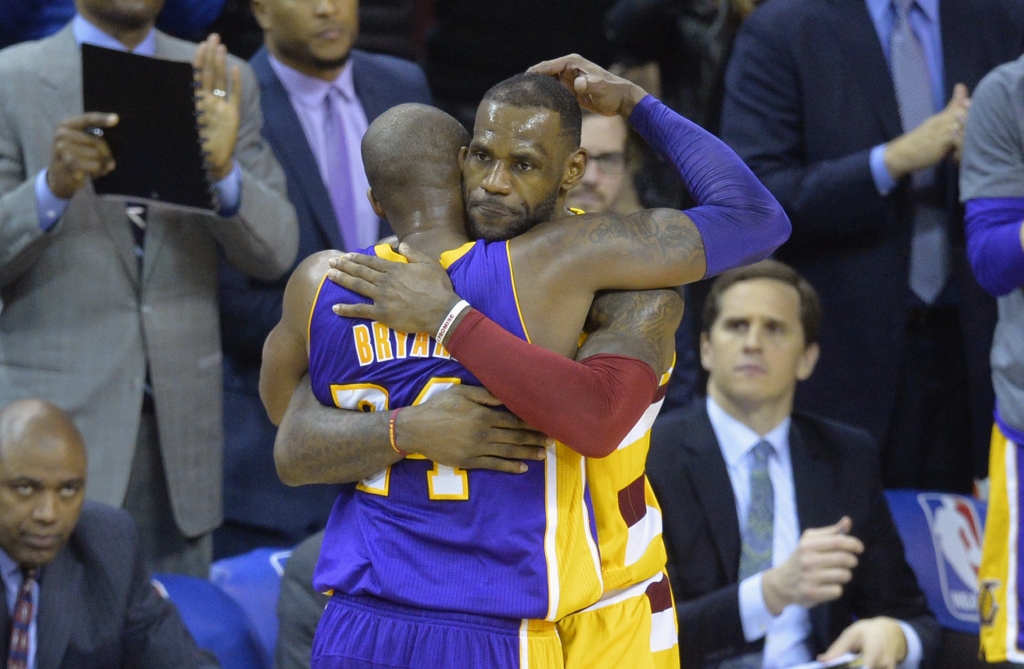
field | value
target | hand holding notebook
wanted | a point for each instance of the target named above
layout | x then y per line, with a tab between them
177	124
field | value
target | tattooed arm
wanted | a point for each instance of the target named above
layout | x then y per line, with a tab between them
321	444
637	324
736	220
457	427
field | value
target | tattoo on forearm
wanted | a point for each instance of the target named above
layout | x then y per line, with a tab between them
640	324
666	231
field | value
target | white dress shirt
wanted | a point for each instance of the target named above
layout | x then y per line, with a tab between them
786	634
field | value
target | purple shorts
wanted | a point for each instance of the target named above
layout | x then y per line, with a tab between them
362	632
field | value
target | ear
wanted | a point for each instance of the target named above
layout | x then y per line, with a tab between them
808	359
259	11
463	152
574	169
377	209
706	352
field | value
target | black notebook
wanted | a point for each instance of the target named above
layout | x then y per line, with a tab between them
156	144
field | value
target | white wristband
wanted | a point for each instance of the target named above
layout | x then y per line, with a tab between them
446	324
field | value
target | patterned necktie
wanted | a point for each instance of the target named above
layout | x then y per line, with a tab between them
756	549
929	253
17	655
339	180
137	221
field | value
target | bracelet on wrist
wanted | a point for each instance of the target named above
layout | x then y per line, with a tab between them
391	432
446	324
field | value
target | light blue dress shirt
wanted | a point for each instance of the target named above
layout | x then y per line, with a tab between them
786	634
11	571
924	20
51	207
306	95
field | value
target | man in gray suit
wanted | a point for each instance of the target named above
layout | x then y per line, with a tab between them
111	313
77	591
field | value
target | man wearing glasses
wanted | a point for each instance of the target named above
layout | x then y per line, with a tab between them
602	188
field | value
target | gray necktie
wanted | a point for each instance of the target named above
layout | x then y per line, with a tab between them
929	253
756	548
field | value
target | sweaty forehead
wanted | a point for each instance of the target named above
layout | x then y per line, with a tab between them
524	128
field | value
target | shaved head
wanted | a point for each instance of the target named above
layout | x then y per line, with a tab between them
42	480
410	153
28	420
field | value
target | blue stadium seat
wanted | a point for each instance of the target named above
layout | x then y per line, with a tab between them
942	535
216	621
253	581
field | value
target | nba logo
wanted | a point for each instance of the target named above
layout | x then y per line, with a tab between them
956	535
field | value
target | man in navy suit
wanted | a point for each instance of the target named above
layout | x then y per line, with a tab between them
851	112
77	592
780	543
318	96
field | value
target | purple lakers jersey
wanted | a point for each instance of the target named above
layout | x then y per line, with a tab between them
430	536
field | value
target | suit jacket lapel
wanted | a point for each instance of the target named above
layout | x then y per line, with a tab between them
371	90
865	58
815	505
58	586
283	130
962	60
5	623
710	479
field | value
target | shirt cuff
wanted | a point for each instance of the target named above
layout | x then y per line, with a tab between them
229	191
914	652
883	180
754	613
49	206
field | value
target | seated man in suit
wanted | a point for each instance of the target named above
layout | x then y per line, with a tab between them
777	531
77	590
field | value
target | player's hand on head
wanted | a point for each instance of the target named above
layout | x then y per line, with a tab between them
79	152
595	88
408	297
461	427
218	103
879	641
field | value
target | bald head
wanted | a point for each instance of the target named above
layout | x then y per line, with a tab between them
37	423
42	480
410	153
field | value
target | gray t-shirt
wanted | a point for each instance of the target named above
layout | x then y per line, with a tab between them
993	167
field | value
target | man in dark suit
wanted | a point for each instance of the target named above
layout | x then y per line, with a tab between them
851	112
777	532
318	97
77	590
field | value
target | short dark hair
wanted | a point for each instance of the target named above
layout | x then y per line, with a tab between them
526	90
810	303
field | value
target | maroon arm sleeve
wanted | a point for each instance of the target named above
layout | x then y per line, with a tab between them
590	406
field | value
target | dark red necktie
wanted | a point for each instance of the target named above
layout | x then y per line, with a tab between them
17	656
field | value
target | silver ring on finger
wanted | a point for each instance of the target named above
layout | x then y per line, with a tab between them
220	92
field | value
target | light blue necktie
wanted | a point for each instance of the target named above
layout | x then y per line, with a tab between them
339	179
756	548
929	252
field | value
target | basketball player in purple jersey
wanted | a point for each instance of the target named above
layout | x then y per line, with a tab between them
677	260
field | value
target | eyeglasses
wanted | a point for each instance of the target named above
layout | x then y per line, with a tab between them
608	163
